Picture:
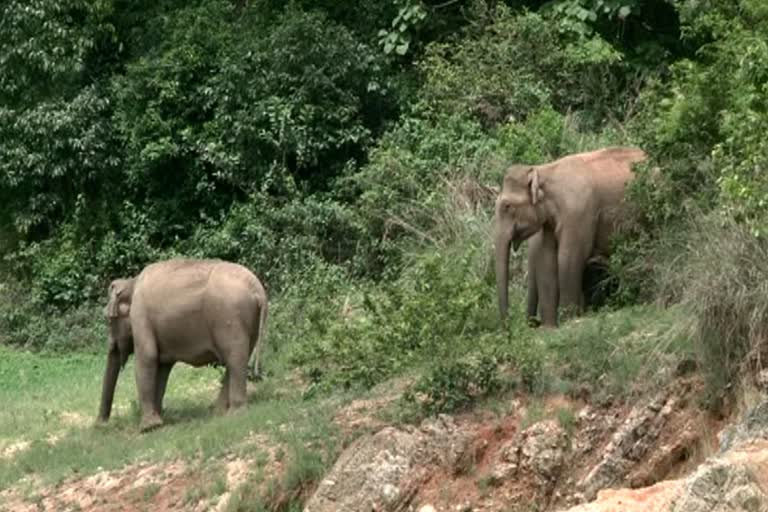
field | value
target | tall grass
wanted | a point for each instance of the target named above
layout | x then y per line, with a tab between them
722	279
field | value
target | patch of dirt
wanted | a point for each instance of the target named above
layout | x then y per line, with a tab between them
75	419
360	414
9	451
178	485
364	414
469	487
123	489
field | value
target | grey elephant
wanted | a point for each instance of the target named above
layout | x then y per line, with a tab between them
183	310
567	210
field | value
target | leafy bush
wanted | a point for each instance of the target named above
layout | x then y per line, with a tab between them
410	164
46	46
441	301
701	126
449	386
55	156
33	326
280	239
513	65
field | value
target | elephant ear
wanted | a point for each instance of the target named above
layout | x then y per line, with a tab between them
119	298
534	188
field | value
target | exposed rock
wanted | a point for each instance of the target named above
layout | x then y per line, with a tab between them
754	426
664	459
448	446
592	426
538	451
629	444
383	471
735	480
721	486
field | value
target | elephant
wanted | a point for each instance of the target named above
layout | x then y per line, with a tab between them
567	210
194	311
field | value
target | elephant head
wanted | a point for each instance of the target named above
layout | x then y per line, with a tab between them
120	339
519	215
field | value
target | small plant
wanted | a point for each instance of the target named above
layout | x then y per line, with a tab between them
218	486
534	413
485	484
451	386
566	419
528	355
150	491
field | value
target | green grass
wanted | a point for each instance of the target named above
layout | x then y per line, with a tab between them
621	353
53	400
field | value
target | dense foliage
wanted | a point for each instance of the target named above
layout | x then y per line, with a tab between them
349	155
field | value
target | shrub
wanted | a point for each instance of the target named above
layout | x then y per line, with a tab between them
441	302
449	386
702	127
724	277
34	326
514	65
280	239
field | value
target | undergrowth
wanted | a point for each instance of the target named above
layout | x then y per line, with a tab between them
724	284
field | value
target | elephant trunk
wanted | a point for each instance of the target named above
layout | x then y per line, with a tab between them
503	241
110	381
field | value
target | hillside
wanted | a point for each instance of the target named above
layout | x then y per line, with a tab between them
351	156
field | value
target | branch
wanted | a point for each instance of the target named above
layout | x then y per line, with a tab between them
444	4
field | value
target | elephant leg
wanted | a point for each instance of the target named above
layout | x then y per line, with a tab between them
146	381
222	401
237	370
546	265
534	250
571	260
163	372
234	346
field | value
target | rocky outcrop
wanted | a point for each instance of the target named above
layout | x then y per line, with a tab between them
382	472
734	480
753	426
737	482
538	452
560	464
629	444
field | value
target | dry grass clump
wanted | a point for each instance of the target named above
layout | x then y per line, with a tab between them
722	278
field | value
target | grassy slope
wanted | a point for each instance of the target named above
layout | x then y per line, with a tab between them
53	399
52	402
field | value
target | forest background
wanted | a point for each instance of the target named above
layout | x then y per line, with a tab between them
347	153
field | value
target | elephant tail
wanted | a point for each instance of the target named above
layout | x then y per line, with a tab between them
263	314
261	336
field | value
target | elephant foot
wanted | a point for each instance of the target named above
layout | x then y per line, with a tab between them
235	409
219	409
533	322
150	423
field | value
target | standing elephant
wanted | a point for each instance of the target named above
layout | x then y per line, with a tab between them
194	311
567	210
